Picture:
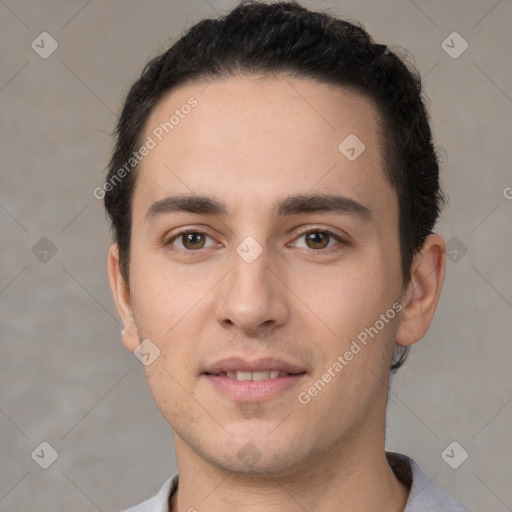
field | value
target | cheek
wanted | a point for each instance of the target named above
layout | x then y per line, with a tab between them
171	313
165	390
163	296
347	296
348	302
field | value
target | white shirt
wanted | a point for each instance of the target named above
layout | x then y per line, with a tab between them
424	496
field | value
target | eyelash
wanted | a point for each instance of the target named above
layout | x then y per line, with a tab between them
330	234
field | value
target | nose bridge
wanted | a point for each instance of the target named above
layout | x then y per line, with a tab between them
250	270
250	297
249	279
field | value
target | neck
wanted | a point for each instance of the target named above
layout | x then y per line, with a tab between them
345	479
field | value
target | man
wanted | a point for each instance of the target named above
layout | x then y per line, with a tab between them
273	192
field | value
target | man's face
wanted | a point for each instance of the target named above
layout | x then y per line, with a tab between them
271	284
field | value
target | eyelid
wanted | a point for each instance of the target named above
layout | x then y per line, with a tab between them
303	230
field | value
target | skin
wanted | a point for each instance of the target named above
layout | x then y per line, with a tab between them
296	301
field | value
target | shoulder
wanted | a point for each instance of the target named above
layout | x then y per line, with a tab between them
424	495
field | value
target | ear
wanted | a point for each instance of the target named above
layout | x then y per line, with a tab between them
121	293
423	291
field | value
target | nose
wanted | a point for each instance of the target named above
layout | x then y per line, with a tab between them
252	298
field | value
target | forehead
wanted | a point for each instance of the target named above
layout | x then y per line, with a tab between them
254	138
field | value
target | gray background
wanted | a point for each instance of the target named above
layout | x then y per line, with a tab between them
65	377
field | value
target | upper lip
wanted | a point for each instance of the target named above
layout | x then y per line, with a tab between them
266	364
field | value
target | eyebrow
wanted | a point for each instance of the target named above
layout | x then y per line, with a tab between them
291	205
319	203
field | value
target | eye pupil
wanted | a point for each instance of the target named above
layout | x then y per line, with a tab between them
193	240
318	239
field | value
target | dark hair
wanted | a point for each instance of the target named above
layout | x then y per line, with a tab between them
284	37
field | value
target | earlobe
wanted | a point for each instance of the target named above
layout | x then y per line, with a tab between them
423	292
121	294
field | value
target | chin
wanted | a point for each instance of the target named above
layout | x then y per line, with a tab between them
260	452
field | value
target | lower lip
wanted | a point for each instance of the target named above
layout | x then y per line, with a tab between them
253	391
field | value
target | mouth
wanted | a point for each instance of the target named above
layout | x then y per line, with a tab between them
257	376
253	381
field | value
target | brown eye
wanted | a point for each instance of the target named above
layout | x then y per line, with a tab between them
317	239
191	240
